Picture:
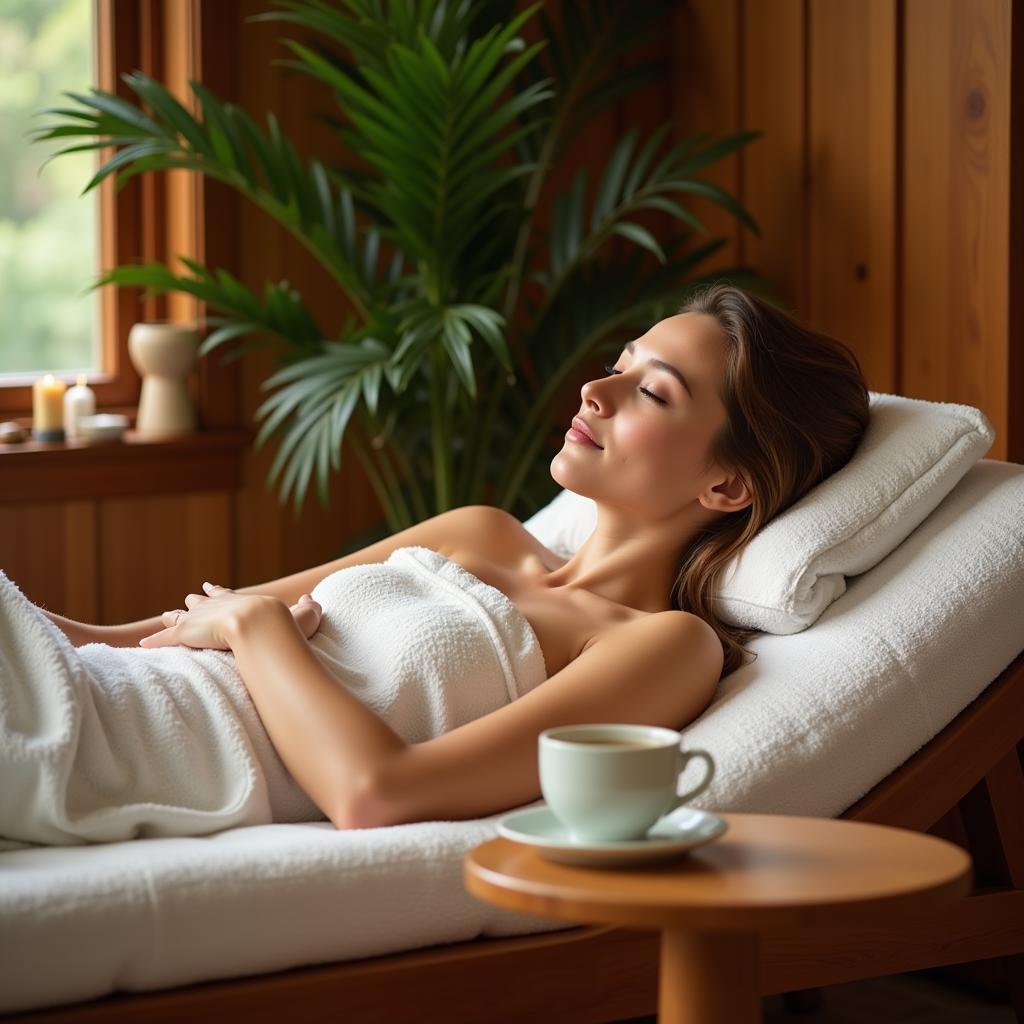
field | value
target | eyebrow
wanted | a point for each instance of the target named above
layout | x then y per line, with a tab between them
660	364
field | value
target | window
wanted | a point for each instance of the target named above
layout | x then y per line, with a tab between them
154	217
49	232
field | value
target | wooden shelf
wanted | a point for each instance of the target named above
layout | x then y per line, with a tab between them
209	460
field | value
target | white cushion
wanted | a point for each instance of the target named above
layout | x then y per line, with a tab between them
911	456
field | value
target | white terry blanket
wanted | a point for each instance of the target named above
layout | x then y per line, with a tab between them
807	729
104	743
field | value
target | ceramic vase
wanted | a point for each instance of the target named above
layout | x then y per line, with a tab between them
163	353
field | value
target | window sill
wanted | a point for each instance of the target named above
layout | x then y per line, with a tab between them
209	460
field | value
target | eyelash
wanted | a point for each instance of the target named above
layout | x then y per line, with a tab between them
609	370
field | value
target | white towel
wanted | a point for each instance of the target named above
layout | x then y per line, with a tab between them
106	743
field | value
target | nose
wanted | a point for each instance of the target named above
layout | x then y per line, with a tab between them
595	394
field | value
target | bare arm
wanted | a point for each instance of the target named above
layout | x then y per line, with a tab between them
467	524
306	615
328	739
661	670
127	635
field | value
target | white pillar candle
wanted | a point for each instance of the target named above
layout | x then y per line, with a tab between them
78	401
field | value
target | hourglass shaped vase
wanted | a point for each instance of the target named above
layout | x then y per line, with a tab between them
163	354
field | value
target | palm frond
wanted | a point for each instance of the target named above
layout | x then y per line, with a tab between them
281	314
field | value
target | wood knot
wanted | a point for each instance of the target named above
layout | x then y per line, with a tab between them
975	104
861	271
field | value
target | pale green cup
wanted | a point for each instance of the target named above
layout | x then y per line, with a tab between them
607	783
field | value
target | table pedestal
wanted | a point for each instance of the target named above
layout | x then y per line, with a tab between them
708	976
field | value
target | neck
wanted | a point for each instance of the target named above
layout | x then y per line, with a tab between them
632	564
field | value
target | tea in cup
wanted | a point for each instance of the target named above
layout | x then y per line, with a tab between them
607	783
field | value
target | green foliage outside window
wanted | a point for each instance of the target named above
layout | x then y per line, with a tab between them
48	233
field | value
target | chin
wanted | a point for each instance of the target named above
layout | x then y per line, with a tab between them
559	477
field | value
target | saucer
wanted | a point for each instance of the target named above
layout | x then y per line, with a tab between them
671	836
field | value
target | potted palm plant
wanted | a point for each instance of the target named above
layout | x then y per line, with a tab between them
468	317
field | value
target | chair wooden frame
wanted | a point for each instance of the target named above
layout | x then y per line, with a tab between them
966	785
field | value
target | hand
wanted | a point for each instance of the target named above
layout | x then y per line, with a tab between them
207	623
307	614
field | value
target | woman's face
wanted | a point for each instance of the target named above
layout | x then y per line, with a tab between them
654	434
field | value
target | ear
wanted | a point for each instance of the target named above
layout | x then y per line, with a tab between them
730	494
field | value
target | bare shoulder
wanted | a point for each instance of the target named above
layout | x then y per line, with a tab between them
486	516
673	632
481	528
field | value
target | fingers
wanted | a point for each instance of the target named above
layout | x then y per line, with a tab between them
155	639
210	590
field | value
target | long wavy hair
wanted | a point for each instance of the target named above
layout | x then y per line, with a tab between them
797	406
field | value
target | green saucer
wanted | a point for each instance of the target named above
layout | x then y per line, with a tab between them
669	837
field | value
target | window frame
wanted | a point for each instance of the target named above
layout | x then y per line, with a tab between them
156	216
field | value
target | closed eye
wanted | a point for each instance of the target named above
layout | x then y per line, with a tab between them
609	370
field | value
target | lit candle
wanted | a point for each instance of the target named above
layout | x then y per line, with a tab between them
79	401
48	409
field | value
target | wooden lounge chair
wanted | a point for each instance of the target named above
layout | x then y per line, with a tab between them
966	785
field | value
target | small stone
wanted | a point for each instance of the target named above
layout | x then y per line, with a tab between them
12	433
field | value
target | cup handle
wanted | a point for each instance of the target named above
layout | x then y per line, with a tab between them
685	756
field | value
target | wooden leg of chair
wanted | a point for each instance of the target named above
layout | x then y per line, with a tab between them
992	818
994	825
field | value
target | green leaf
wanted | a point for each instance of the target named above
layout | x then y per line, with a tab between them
172	112
120	109
456	341
608	193
643	159
712	191
224	334
124	156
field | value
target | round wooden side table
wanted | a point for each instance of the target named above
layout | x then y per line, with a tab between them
767	873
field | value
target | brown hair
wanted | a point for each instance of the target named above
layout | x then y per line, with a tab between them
797	406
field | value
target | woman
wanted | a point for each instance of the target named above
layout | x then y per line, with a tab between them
706	427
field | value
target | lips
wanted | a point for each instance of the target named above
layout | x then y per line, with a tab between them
579	425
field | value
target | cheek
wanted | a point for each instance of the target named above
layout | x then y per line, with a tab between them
662	457
650	442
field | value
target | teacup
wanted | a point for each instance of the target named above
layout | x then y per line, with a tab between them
607	783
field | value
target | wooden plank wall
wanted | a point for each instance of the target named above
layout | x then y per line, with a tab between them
882	181
882	186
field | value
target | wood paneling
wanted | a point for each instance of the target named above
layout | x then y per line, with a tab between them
154	551
956	221
707	96
851	183
883	182
774	173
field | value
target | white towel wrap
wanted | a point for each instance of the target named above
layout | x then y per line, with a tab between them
104	743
